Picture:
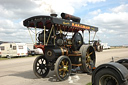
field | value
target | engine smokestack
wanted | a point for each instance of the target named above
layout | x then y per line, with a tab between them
70	17
53	15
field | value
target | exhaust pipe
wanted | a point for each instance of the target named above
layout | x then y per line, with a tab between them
70	17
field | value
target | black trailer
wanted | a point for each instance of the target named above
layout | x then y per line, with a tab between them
113	73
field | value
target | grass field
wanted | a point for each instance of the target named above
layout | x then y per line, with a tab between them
89	83
3	58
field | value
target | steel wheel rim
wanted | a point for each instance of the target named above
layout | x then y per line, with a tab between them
64	68
108	80
89	60
41	67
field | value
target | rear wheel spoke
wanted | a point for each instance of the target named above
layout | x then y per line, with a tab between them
66	63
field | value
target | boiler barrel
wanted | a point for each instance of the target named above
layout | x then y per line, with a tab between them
54	53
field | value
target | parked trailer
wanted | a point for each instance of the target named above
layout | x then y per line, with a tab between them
13	49
113	73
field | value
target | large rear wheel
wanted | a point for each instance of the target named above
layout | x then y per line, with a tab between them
88	58
63	67
40	67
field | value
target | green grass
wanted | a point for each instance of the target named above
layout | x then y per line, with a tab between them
3	58
89	83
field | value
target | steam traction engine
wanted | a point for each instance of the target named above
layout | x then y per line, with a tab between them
62	44
97	45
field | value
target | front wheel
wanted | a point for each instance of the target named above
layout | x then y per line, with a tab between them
107	77
63	67
40	67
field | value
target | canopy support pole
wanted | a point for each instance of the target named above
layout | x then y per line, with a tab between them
94	36
30	35
83	34
35	35
44	34
54	34
50	33
89	37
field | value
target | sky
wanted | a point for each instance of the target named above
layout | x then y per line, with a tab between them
110	16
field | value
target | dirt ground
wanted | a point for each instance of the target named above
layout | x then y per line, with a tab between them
19	71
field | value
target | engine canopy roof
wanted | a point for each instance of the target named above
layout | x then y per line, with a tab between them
65	25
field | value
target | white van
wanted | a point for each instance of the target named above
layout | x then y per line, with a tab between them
33	51
13	49
105	46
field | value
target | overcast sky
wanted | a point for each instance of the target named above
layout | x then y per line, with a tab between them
110	16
